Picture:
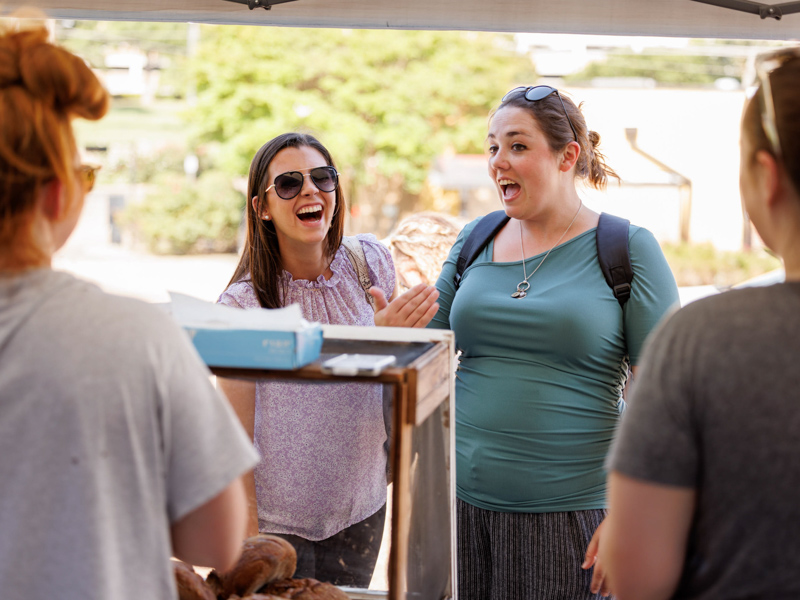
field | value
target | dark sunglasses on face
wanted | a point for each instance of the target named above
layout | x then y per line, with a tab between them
535	93
288	185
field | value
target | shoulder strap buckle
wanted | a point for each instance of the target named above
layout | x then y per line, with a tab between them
622	292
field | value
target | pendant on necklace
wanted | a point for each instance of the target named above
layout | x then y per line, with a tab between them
522	289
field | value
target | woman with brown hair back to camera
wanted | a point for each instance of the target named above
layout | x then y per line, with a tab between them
115	450
706	467
545	350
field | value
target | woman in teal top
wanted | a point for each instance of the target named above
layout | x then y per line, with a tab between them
539	385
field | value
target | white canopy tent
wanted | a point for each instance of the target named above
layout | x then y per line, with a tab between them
677	18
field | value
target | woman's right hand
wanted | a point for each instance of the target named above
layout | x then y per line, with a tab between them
415	308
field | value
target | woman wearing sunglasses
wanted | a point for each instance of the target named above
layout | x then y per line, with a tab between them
322	483
705	472
116	452
545	353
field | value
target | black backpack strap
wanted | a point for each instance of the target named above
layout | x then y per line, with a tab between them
614	255
477	239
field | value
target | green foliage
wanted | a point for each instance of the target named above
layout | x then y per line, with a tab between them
664	68
702	264
131	123
166	46
91	40
183	217
144	168
384	102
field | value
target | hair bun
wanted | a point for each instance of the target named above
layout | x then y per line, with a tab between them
594	138
50	74
63	81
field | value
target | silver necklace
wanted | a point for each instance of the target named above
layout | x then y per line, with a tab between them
523	286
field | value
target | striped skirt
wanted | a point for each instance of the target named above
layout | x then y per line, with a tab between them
524	556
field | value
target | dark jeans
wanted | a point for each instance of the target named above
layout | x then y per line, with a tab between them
347	558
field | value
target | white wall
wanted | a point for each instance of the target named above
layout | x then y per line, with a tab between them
695	132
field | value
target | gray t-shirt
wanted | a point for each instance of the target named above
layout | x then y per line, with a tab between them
716	408
110	430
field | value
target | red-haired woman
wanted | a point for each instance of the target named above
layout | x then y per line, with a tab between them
116	453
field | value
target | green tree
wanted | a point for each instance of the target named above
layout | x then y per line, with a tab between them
166	45
93	39
385	102
664	68
701	63
187	217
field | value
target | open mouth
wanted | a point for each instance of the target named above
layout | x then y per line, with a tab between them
508	187
310	214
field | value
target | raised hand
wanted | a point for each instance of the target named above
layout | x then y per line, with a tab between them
415	308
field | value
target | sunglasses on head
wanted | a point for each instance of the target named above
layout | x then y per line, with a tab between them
288	185
88	175
534	93
765	64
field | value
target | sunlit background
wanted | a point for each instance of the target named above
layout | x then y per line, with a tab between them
404	114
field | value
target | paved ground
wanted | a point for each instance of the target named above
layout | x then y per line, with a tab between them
90	254
145	276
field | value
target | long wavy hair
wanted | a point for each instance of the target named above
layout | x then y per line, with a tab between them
261	263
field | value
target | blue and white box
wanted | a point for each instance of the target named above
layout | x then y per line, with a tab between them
251	338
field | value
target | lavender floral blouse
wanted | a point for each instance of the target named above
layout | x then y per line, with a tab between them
323	465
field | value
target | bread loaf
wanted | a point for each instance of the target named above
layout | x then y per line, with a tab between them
190	585
214	581
304	589
264	559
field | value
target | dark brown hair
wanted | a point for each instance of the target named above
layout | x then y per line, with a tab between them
261	257
42	87
549	116
785	87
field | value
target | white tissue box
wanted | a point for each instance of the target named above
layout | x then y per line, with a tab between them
251	338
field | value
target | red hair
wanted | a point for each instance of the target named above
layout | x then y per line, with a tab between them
42	87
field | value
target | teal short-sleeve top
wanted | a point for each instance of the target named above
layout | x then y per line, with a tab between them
538	387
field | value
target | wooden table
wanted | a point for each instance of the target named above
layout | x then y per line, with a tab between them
423	386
